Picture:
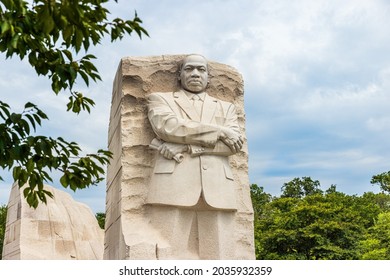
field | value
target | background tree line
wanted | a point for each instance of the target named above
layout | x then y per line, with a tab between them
308	223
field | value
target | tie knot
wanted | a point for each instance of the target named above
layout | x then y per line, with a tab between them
196	97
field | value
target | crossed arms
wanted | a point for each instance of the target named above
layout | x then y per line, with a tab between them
194	137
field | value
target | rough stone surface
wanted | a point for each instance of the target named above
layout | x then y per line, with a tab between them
63	229
129	234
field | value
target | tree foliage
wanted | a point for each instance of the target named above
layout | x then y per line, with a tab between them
48	31
300	187
101	218
376	244
51	34
259	199
383	180
3	219
308	223
315	227
33	156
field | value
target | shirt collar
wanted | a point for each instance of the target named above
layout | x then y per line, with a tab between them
190	95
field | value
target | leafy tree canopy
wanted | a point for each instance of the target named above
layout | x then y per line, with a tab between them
259	199
300	187
50	34
376	244
383	180
308	223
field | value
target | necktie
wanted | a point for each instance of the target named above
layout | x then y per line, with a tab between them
198	103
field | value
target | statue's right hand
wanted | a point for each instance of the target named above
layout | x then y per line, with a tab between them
232	139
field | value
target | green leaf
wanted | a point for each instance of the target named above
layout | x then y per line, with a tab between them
16	172
37	118
70	103
26	191
32	182
5	26
30	165
42	115
14	41
78	39
49	194
85	77
64	181
89	56
68	54
32	58
67	33
31	119
32	199
24	124
15	117
48	24
76	107
29	105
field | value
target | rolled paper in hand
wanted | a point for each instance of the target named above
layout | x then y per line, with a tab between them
155	144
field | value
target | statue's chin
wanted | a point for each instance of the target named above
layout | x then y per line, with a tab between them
195	89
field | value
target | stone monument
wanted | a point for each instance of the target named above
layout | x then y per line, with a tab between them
62	229
177	187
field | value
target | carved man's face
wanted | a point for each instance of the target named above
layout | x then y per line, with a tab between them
194	74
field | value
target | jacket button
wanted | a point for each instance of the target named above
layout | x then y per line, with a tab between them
204	166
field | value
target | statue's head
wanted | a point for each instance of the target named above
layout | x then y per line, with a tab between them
194	73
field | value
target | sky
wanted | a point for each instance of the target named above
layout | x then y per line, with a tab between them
316	74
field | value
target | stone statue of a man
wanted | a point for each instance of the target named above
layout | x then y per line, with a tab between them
192	189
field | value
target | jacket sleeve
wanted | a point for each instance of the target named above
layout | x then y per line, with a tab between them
170	127
220	148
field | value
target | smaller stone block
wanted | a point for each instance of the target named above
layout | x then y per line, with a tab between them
63	229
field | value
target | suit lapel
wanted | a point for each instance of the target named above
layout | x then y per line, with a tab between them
182	100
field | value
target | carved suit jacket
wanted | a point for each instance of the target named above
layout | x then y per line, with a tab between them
205	167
